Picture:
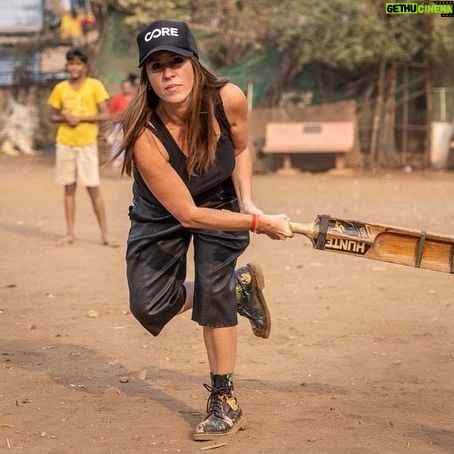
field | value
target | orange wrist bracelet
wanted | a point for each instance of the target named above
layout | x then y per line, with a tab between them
255	223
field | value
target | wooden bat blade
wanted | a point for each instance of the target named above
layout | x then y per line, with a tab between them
380	242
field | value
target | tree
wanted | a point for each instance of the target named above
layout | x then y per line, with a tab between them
342	34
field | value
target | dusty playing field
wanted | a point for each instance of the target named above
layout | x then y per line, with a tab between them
360	358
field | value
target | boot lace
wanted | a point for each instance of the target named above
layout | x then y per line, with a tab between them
214	404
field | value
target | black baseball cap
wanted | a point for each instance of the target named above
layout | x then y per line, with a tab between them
173	36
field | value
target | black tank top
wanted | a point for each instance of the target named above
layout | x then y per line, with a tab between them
210	188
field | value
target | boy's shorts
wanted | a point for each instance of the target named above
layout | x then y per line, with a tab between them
77	164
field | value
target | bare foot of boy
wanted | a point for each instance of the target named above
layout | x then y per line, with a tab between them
111	242
64	240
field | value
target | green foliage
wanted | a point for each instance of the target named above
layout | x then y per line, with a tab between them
347	33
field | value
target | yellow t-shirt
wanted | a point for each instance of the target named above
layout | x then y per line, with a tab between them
70	26
80	101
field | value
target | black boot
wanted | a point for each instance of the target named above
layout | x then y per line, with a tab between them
250	300
224	416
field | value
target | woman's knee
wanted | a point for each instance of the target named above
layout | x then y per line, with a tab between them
155	310
150	320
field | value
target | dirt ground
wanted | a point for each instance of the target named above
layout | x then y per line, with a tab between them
360	357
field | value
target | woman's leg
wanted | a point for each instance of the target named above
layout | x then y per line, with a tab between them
215	308
189	301
221	346
224	416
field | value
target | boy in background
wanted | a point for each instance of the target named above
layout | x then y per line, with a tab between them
116	106
77	105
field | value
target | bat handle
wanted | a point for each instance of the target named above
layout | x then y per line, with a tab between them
308	230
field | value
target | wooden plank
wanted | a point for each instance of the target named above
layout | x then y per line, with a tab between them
309	137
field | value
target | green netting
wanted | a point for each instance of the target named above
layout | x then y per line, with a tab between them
118	54
258	68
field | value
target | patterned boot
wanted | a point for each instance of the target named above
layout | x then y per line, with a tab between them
250	300
224	416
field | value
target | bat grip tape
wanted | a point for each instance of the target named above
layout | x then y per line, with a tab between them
322	231
420	249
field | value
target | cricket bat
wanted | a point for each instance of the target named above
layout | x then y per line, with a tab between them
386	243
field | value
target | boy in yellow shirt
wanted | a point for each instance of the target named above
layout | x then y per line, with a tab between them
77	105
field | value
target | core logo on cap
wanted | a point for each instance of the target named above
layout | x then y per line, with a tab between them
166	36
158	32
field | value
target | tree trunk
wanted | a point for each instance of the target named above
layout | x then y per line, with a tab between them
429	114
101	12
287	71
376	120
387	150
405	113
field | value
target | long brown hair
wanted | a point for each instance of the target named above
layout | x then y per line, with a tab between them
201	132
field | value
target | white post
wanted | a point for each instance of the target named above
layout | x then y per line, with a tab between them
250	95
443	104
